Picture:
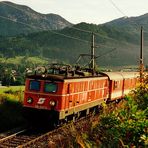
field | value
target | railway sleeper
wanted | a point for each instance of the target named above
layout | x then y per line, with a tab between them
8	145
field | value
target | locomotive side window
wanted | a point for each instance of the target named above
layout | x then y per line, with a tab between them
50	87
34	85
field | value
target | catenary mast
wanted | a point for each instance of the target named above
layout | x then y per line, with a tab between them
141	57
92	63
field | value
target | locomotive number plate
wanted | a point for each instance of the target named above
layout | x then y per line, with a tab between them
40	107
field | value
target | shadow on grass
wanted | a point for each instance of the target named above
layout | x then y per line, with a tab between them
10	115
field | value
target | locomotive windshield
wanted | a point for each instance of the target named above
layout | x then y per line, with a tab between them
34	85
50	87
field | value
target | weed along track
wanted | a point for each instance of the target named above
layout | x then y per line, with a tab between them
49	139
60	136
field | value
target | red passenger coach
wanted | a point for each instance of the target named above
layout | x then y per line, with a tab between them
59	94
121	83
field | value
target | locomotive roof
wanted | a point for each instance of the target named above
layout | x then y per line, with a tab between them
62	77
121	75
110	75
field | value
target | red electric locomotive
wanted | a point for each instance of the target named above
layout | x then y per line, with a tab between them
60	93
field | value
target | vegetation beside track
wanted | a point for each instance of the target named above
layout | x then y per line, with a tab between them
11	108
11	89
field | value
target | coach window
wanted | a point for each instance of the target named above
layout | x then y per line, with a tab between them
115	84
50	87
34	85
69	88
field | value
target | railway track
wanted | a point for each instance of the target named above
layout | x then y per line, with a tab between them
50	138
19	138
58	136
33	139
2	136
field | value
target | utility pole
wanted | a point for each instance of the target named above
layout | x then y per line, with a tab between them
141	57
92	63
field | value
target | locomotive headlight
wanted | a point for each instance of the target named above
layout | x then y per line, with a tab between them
29	100
52	103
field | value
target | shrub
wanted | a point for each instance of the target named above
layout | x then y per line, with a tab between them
140	94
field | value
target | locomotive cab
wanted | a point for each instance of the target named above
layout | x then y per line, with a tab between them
42	98
60	93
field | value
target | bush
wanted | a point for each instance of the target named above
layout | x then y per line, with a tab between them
140	94
123	127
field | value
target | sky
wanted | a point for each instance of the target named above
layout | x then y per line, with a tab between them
90	11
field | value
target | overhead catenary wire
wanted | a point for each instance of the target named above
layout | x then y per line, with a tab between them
138	26
117	8
124	15
141	65
99	56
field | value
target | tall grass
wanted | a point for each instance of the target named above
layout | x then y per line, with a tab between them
11	108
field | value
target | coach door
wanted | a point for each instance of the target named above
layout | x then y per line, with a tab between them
117	89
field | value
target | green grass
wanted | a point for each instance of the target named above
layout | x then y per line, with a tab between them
19	59
12	93
37	60
13	88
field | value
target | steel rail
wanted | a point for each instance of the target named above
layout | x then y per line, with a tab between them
17	139
45	137
11	136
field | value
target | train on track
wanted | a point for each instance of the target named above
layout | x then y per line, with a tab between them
60	93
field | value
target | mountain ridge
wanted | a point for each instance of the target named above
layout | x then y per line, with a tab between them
128	22
66	44
32	20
